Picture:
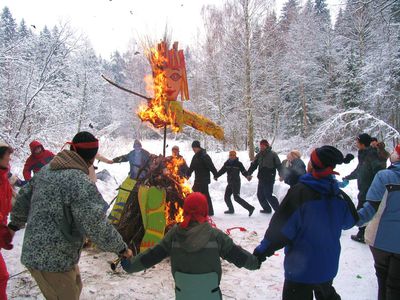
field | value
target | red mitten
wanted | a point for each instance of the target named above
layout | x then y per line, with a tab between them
5	238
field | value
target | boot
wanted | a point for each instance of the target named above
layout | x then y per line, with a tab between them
251	210
229	212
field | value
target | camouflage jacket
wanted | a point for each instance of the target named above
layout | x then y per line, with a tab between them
60	207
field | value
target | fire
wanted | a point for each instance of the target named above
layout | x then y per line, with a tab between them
175	215
155	111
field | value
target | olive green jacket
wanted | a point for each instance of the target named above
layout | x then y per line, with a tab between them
195	250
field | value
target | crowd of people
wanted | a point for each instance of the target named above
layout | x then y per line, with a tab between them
60	206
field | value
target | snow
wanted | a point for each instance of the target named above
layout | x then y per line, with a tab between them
355	280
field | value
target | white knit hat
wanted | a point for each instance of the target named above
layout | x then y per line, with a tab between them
4	144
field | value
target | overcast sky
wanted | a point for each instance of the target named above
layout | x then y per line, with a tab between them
112	24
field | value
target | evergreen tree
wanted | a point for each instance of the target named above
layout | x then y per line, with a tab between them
352	86
8	27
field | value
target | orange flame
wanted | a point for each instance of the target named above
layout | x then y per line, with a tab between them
182	186
155	110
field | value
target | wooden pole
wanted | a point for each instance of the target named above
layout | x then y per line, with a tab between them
165	139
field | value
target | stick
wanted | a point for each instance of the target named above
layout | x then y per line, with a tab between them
165	139
125	89
15	275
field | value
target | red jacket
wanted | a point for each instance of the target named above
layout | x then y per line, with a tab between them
5	196
36	161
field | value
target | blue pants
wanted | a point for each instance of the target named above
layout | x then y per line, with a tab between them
265	197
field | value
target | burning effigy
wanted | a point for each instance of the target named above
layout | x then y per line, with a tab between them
147	206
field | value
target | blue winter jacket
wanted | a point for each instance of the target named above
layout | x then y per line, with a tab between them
308	223
383	208
138	159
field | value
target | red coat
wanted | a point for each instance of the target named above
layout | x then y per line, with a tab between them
5	196
36	161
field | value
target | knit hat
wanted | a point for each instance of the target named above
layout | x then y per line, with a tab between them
137	144
264	142
5	147
85	144
364	139
325	159
196	144
195	208
295	153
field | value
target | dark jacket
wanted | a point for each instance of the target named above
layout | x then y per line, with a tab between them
202	165
194	250
368	165
267	162
36	161
308	223
296	168
233	168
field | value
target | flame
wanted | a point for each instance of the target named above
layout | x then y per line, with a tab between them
154	111
181	185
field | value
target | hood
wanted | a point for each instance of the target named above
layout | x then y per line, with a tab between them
194	237
35	144
268	149
232	161
67	159
201	152
4	173
325	186
395	167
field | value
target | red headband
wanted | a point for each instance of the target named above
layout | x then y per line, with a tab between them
316	161
322	171
84	145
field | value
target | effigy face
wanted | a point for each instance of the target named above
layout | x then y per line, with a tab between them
173	78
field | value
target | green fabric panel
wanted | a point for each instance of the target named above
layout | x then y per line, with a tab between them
196	286
123	193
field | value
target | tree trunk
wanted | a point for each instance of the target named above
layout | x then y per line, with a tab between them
304	109
247	96
83	105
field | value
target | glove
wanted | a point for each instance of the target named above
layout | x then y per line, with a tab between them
260	257
125	263
343	183
5	238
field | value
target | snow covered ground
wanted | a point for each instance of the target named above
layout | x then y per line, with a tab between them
355	280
